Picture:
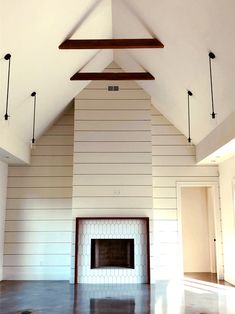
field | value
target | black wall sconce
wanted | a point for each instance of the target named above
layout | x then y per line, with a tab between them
34	95
213	114
8	58
189	122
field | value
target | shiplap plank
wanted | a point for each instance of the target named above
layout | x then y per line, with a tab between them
112	180
50	182
112	104
164	192
164	203
35	237
39	203
160	120
172	150
112	212
112	147
39	214
113	136
40	248
60	130
40	226
189	171
112	202
36	260
105	94
53	151
168	249
37	273
169	140
112	169
165	226
112	157
171	181
165	261
164	130
174	160
81	191
112	115
42	192
52	161
53	140
169	236
165	214
40	171
111	125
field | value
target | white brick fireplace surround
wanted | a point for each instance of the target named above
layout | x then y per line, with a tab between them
136	229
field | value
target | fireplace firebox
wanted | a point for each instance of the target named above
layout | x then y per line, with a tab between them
112	253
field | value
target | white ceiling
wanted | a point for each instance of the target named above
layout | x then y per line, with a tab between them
32	31
189	29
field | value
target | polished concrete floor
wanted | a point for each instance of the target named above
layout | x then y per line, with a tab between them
209	277
191	296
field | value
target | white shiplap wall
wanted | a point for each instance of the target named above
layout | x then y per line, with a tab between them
112	152
173	160
3	192
39	202
119	170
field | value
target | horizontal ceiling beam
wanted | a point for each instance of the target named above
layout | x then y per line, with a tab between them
111	43
109	76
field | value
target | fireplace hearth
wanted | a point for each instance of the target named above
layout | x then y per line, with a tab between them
118	253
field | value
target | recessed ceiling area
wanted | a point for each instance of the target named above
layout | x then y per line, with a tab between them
188	30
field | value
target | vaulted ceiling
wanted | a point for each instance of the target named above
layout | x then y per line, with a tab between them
32	31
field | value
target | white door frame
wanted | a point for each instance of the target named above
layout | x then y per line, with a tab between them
216	209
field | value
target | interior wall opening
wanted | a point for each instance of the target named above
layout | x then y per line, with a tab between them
198	232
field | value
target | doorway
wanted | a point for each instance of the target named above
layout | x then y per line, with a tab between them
199	230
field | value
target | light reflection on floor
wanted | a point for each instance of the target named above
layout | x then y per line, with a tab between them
194	296
190	296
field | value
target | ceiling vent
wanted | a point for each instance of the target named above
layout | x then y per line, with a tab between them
113	88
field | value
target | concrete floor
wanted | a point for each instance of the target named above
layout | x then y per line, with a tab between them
191	296
209	277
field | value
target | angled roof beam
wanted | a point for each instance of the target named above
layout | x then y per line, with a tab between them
110	76
111	43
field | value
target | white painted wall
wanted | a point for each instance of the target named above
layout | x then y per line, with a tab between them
211	147
173	161
39	202
195	229
3	193
227	174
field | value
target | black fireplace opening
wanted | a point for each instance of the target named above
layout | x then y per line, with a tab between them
116	253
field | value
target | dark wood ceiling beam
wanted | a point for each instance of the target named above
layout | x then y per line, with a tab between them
111	43
108	76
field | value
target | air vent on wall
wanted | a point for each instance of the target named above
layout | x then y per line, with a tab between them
113	88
